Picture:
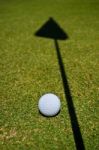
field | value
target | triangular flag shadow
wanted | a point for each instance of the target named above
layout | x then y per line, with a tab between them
53	31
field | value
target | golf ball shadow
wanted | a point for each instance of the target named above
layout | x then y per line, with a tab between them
50	116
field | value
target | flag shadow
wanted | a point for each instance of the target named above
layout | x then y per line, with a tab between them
53	31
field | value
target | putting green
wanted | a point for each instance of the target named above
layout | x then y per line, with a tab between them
29	68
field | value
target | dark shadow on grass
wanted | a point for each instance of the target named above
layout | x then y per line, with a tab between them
53	31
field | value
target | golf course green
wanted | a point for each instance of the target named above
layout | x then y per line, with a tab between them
29	68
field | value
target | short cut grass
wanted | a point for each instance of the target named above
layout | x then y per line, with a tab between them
29	68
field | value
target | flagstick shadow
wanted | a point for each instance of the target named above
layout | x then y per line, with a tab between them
53	31
74	122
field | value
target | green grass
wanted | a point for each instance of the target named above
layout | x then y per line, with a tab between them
29	68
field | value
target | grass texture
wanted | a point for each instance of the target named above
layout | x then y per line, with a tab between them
29	68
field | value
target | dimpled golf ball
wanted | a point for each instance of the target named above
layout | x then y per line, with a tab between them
49	105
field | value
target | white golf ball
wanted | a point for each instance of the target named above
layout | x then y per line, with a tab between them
49	104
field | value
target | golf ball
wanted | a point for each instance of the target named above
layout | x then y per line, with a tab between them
49	105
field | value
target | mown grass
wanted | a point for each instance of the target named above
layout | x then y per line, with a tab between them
29	68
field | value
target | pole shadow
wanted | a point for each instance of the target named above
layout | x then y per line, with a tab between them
53	31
